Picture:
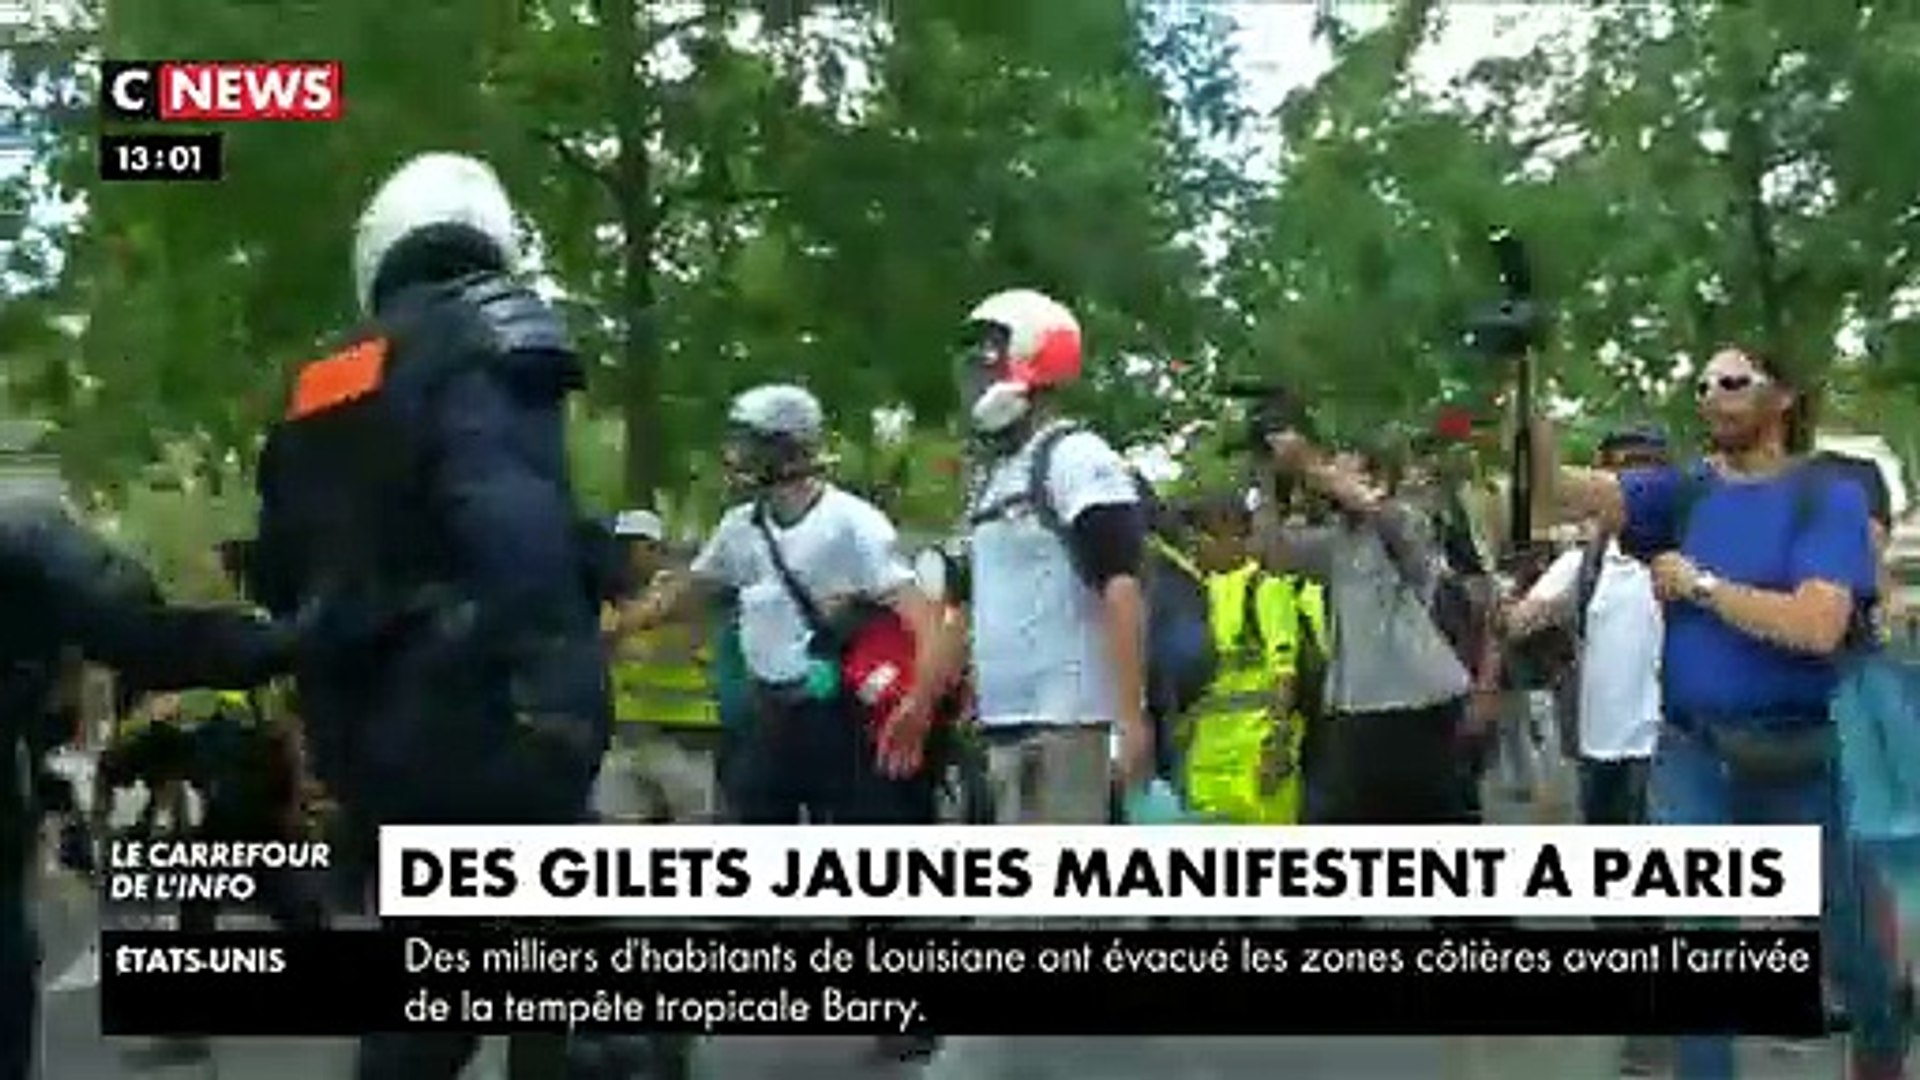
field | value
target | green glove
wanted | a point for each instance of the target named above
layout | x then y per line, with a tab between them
1155	803
823	680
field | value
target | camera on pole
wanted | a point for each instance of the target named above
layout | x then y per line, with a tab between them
1507	332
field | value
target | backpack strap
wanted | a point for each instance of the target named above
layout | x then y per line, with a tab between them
1309	633
1593	559
1809	489
1252	634
1035	496
1159	546
1039	498
1692	486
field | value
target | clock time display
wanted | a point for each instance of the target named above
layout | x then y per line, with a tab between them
157	157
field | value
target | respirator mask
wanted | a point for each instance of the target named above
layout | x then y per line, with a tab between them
995	402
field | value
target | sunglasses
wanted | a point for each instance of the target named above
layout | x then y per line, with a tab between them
1727	384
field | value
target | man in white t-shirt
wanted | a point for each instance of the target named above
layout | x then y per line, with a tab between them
1056	613
1608	598
802	558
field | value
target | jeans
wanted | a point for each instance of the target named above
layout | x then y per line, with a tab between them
1692	785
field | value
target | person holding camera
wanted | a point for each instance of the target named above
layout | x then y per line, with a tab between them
1396	684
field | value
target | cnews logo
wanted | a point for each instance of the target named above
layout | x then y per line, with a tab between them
220	90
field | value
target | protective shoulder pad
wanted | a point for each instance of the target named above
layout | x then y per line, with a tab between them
514	318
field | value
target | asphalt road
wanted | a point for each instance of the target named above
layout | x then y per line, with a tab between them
74	1050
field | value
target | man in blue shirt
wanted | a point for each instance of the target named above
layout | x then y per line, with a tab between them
1761	564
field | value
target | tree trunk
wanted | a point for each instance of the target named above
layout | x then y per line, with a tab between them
645	439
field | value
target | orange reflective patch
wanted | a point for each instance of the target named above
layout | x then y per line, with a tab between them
345	376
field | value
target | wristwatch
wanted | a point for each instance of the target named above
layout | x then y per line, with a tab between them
1704	586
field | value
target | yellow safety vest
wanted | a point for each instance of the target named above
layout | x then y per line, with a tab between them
1230	771
669	688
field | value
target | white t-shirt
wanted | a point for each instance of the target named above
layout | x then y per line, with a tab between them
843	549
1620	658
1039	641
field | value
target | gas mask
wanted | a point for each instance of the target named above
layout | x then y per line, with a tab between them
757	460
995	403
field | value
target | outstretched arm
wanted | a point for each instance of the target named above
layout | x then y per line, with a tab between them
106	604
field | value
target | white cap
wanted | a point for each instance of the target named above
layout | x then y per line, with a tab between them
639	525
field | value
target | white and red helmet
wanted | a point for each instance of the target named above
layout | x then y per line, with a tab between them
1027	341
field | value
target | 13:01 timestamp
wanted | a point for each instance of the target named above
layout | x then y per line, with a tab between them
160	157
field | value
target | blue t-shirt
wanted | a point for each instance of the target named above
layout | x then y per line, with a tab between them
1745	531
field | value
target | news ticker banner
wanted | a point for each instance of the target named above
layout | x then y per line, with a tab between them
1489	981
1031	871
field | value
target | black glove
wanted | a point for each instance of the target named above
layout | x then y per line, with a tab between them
76	846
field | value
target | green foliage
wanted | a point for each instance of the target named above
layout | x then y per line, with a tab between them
818	191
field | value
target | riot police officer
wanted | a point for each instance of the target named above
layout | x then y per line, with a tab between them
418	487
63	588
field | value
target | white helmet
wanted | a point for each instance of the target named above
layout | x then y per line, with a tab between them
432	189
1028	341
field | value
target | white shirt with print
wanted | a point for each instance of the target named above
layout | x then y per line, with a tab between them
1620	658
843	549
1040	651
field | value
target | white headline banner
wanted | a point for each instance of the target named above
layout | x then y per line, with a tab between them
1032	871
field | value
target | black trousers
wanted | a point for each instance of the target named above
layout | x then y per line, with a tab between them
1394	767
558	796
814	758
294	899
19	975
1613	792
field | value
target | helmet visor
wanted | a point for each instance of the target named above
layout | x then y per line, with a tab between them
982	358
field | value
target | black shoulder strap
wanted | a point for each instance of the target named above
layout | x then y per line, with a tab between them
1035	495
1593	559
1038	496
1306	633
809	610
1252	634
1808	490
1692	486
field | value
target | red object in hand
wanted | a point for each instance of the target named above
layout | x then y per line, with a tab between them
877	667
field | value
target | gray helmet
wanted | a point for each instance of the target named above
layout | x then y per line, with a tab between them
782	411
775	434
